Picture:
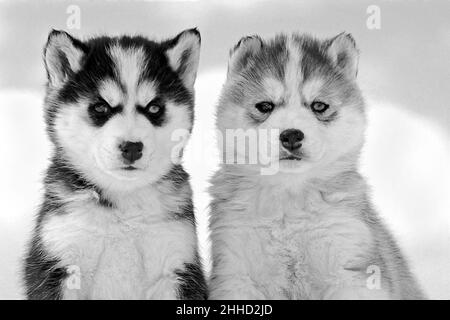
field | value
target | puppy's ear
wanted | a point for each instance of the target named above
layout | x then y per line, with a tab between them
62	56
344	54
242	52
183	53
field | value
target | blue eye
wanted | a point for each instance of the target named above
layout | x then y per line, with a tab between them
319	107
100	112
155	106
102	108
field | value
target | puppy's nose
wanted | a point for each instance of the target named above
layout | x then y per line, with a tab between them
131	151
291	139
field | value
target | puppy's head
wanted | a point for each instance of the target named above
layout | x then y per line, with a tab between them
301	88
119	110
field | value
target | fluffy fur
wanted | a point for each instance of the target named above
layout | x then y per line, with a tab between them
308	231
110	227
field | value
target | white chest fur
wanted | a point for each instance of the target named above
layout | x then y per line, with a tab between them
119	254
286	246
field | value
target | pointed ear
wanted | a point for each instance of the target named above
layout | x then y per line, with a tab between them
344	54
183	54
62	56
242	52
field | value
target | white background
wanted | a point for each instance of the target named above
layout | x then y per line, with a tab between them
404	73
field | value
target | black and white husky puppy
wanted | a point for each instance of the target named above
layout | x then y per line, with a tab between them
117	217
306	230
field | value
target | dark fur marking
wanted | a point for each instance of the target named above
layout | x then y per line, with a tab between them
192	284
177	175
186	212
43	279
100	120
178	179
61	171
314	57
269	61
158	119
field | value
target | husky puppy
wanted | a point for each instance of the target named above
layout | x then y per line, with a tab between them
117	217
308	231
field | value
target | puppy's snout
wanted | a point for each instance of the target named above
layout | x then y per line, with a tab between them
131	151
291	139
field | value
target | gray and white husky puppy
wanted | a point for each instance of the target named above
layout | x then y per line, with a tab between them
308	231
117	218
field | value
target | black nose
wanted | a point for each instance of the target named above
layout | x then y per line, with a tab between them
131	151
291	139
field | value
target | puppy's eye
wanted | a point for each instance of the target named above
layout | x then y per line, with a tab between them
155	107
100	112
265	106
101	108
319	107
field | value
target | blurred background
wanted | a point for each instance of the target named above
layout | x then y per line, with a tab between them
404	73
